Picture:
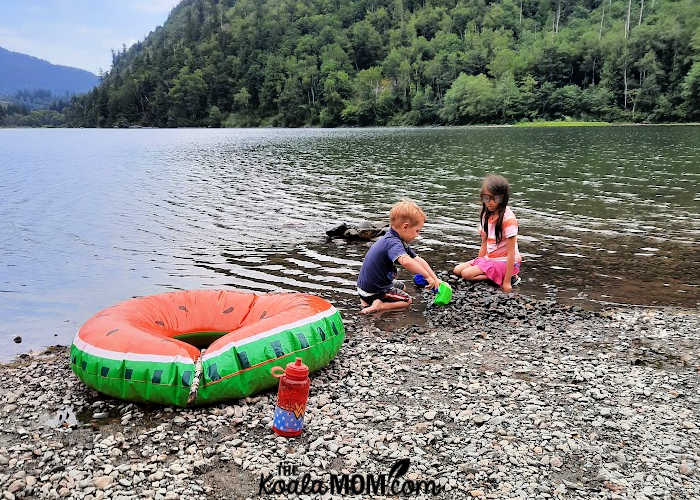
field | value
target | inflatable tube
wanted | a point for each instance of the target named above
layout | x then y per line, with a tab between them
148	348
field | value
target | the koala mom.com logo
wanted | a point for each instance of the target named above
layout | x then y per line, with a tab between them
391	483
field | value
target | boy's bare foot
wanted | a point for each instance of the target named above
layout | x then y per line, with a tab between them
376	306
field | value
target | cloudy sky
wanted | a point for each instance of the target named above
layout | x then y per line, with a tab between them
78	33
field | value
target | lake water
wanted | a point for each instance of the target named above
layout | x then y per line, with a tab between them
89	218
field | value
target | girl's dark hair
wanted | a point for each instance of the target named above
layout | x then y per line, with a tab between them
497	186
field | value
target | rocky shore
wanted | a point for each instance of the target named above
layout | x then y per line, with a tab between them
495	396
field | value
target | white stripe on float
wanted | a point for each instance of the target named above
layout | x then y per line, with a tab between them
129	356
267	333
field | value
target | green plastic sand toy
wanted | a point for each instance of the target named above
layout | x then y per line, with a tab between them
443	295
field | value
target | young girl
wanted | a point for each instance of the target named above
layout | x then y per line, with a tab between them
498	258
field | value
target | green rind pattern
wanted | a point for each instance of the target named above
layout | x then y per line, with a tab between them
133	380
316	343
225	376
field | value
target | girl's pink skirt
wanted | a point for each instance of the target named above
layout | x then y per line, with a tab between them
494	270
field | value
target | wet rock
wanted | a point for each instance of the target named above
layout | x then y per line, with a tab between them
365	231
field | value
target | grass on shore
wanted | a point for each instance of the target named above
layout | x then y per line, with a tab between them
562	123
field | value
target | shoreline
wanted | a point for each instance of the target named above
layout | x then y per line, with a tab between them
494	396
347	308
549	124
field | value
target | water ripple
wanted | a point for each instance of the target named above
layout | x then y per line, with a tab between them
97	216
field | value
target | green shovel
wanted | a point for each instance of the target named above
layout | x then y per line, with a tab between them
443	295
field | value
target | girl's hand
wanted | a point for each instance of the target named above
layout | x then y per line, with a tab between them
507	287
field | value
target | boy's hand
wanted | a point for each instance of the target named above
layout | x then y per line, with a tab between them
507	287
434	284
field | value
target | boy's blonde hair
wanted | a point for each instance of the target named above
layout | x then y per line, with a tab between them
406	211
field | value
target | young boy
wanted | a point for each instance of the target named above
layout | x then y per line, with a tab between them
376	286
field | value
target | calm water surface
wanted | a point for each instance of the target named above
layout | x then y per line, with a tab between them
92	217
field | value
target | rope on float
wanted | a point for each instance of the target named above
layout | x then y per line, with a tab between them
195	380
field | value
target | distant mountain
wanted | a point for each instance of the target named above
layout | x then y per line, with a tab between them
22	72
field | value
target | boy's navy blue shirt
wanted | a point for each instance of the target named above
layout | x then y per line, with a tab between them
378	270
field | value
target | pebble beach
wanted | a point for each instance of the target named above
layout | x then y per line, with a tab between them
495	396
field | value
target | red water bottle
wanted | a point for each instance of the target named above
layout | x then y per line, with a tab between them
292	395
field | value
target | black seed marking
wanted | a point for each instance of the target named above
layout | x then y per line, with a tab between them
183	308
263	314
213	372
302	340
277	347
230	309
111	332
159	322
243	358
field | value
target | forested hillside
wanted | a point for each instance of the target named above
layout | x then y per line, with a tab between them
404	62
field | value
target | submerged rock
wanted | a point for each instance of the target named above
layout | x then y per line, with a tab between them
364	231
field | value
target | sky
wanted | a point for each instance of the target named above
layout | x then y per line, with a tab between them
78	33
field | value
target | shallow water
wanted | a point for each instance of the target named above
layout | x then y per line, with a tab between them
93	217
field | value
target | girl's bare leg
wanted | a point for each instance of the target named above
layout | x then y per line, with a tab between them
473	273
459	267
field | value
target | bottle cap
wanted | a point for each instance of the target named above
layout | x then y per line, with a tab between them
297	370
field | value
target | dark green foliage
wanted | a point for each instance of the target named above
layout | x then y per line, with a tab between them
403	62
38	108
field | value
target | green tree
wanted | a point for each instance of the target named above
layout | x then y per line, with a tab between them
215	117
509	98
566	101
528	97
650	75
188	98
470	99
367	45
691	92
241	99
